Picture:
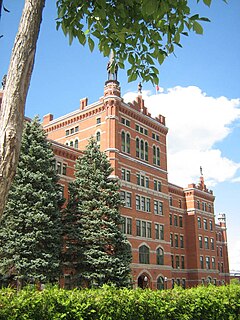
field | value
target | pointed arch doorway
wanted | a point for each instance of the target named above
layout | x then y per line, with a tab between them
144	281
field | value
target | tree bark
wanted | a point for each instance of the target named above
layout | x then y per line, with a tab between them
15	93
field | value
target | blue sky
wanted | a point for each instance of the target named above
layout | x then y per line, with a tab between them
200	92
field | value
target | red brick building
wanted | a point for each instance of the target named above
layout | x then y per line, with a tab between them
172	230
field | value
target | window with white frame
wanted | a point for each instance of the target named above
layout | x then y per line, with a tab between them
127	198
127	225
125	174
143	228
159	231
157	185
158	207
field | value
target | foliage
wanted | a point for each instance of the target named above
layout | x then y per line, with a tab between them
108	302
140	32
96	247
30	231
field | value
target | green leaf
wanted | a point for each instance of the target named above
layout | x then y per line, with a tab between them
207	2
197	27
91	44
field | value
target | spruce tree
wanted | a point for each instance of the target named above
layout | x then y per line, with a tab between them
30	230
96	247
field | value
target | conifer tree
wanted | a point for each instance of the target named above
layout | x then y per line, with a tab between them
30	230
96	247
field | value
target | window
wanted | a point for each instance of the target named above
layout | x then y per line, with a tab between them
125	142
213	263
158	207
146	151
207	262
149	230
156	155
76	144
127	225
175	220
177	262
181	241
138	202
211	225
77	129
176	240
144	254
198	204
222	269
137	147
128	143
180	203
204	206
201	262
98	120
64	169
71	144
206	242
172	260
221	251
142	149
159	231
209	208
155	136
126	122
72	130
200	241
160	283
143	203
205	224
142	180
157	185
67	132
59	168
171	239
170	201
160	256
98	136
170	219
182	262
127	198
141	129
143	229
212	243
199	223
125	174
180	221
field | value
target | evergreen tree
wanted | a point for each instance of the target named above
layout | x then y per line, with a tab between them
96	247
30	230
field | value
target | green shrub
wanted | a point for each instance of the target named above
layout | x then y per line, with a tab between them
111	303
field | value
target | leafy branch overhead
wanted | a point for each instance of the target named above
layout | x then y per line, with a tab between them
140	32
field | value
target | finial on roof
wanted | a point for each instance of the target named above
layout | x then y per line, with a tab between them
112	67
140	88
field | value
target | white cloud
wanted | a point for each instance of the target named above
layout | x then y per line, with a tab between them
196	122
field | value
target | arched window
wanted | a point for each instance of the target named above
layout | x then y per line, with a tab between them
128	143
76	144
142	149
146	151
123	141
98	136
71	144
156	155
144	254
160	283
160	256
137	147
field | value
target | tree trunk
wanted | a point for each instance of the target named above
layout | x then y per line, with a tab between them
15	93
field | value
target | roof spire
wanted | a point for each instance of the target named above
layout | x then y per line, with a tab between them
112	67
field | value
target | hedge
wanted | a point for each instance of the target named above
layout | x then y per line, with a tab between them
111	303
